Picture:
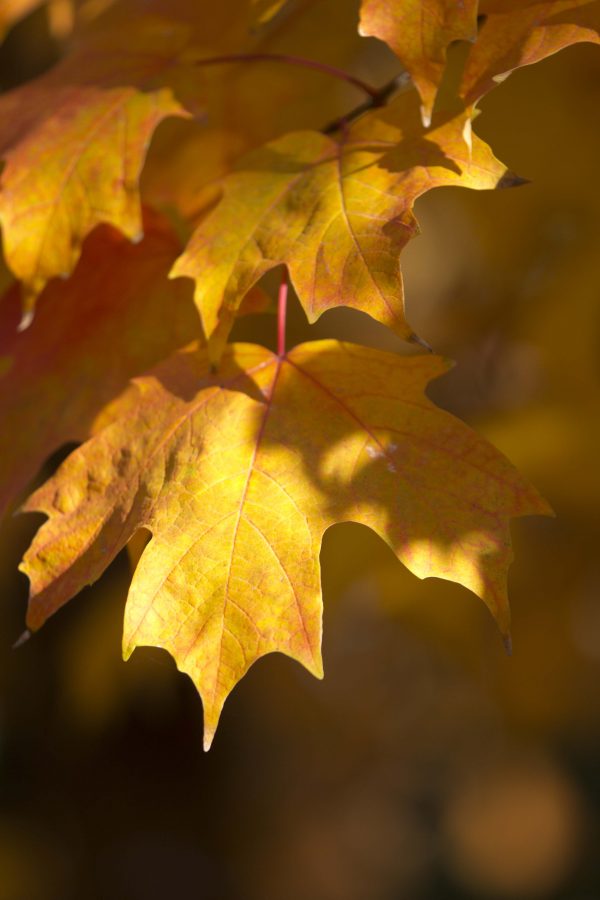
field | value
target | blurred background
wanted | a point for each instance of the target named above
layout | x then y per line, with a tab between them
427	765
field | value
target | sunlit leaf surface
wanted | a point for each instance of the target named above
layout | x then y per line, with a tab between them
238	475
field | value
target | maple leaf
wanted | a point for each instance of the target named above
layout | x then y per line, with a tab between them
419	32
337	211
521	32
238	475
116	317
74	142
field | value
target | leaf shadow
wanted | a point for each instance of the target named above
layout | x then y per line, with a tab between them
188	372
417	484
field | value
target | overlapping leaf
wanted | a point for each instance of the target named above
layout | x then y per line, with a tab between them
336	211
251	103
115	318
521	32
75	140
238	475
419	32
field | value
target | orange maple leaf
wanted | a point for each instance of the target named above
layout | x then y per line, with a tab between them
521	32
117	316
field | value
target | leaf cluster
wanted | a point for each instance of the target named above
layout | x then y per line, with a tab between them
285	135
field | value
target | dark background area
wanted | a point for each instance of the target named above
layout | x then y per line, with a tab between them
427	764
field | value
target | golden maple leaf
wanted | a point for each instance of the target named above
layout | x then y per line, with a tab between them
73	143
238	475
419	32
336	211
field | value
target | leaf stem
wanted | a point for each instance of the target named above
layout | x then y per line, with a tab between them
378	98
282	314
325	68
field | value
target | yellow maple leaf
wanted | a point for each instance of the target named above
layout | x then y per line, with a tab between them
419	32
74	142
238	475
337	211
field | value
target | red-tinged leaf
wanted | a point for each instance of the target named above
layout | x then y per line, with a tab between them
74	142
116	317
419	32
336	211
521	32
238	475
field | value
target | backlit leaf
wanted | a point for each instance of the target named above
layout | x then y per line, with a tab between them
419	32
74	142
238	475
521	32
336	211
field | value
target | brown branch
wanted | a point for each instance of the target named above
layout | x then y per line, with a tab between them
379	98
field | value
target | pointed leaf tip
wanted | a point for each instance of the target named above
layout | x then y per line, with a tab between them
415	339
22	639
511	180
26	318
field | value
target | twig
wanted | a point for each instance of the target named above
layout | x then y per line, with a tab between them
326	69
378	98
